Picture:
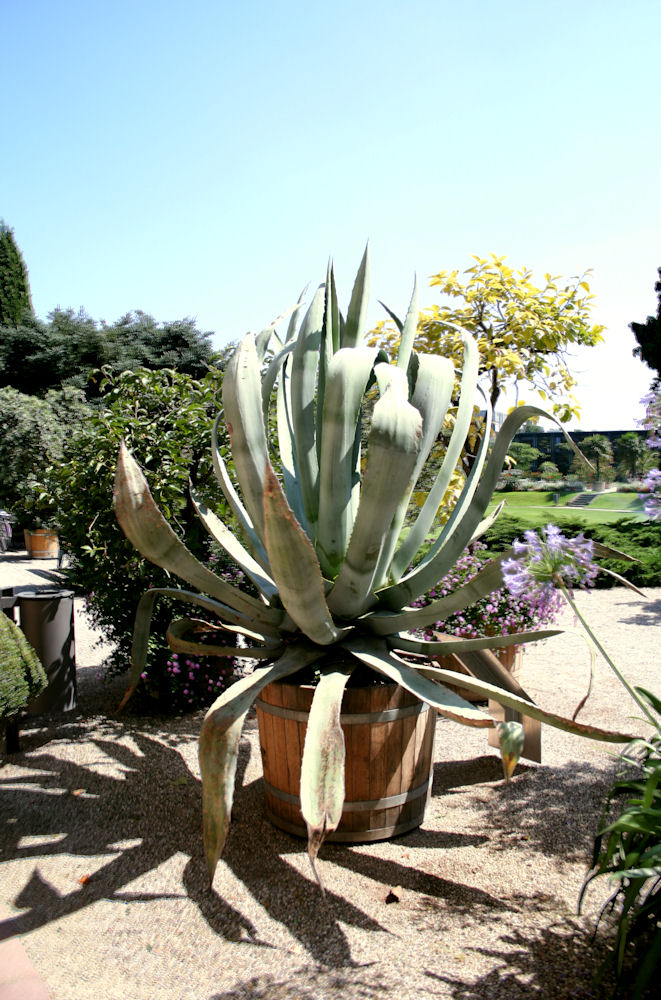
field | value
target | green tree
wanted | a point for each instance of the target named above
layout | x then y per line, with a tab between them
549	470
599	451
33	433
71	348
631	452
15	302
525	455
524	331
648	335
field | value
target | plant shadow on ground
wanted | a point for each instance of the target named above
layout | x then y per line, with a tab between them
558	962
538	806
359	983
54	806
97	811
648	614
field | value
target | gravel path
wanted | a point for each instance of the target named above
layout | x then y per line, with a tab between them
103	869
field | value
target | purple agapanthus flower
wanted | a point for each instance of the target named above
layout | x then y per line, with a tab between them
542	564
653	498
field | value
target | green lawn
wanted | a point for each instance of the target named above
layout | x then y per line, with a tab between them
531	507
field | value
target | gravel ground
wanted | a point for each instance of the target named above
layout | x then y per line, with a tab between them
103	867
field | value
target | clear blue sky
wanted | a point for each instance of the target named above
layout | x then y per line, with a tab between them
206	158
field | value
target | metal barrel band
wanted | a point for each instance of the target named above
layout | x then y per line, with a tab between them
347	836
361	718
358	806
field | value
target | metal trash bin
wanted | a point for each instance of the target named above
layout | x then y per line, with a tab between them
6	521
46	619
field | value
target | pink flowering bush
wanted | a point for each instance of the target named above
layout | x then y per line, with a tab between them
196	683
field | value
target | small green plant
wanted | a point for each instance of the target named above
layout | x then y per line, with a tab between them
627	850
22	677
627	847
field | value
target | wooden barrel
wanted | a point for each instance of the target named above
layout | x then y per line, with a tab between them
509	656
41	544
389	740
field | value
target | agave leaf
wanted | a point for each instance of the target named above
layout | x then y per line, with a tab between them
448	644
375	654
486	523
608	552
218	530
322	766
420	529
476	657
146	528
339	469
330	340
431	396
245	424
394	317
393	446
219	744
451	541
525	707
409	330
181	627
270	376
240	625
263	339
305	360
332	314
233	499
354	327
295	568
483	583
449	545
291	482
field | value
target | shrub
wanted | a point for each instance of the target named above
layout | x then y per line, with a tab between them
22	676
639	539
628	850
165	418
33	433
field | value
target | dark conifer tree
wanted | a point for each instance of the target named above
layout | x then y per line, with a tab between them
15	302
648	335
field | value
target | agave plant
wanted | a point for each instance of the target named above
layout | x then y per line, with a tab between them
322	541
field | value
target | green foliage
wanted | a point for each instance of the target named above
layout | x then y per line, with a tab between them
523	330
549	470
639	539
599	452
631	453
36	356
165	417
648	335
33	433
525	455
22	676
627	849
15	302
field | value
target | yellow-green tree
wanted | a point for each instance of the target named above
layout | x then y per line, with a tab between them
525	331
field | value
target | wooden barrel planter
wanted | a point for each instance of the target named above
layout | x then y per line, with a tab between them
389	740
41	544
509	656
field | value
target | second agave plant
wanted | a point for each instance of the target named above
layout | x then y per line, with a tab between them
321	501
